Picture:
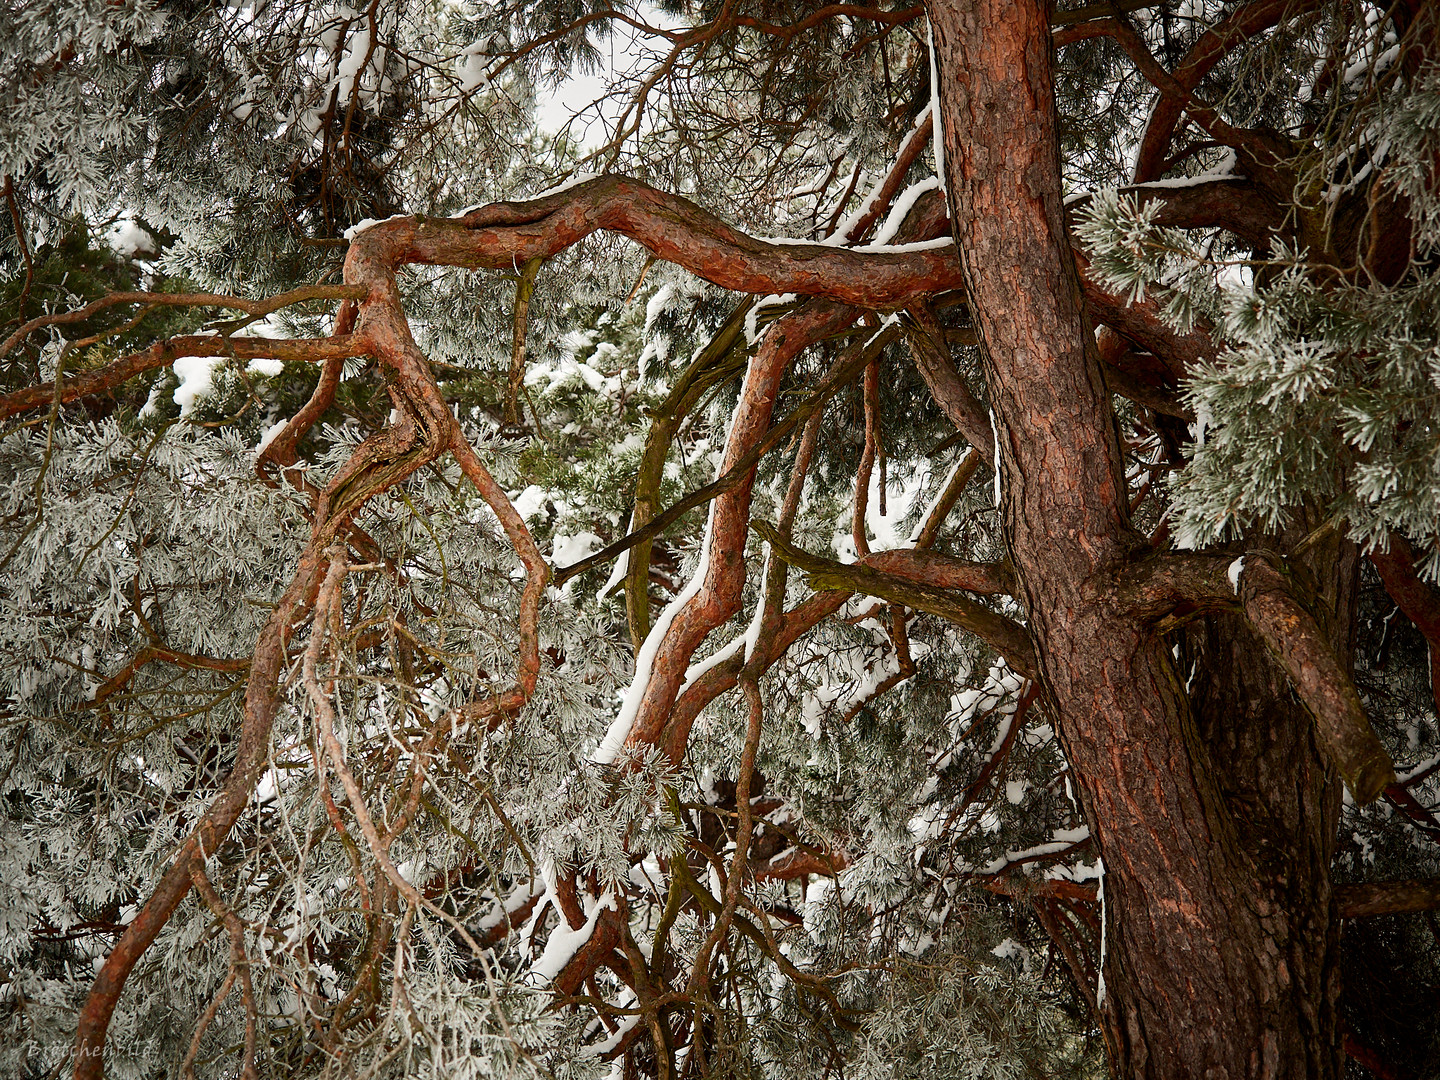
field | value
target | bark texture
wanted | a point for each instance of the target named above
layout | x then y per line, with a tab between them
1219	960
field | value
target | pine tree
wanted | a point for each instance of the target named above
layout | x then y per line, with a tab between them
469	609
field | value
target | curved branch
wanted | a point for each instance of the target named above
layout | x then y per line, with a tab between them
1213	46
282	450
503	235
1419	600
926	339
1166	590
1143	324
420	434
1232	203
721	358
741	469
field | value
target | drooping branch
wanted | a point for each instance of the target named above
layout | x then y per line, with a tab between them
423	429
537	570
213	826
926	339
282	450
1299	643
239	964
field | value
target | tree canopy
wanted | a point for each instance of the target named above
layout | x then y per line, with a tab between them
897	542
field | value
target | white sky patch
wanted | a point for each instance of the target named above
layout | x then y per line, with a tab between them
575	181
626	52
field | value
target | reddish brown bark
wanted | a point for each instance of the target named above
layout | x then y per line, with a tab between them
718	597
1209	973
424	428
675	229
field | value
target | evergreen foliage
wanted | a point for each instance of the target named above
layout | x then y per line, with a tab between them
946	922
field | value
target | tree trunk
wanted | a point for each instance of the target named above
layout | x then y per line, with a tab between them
1216	828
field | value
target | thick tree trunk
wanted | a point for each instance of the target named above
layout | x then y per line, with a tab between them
1215	832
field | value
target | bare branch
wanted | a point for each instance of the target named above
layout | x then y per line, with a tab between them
737	473
926	339
1387	898
165	353
257	308
1008	637
1238	27
1419	600
500	235
964	470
